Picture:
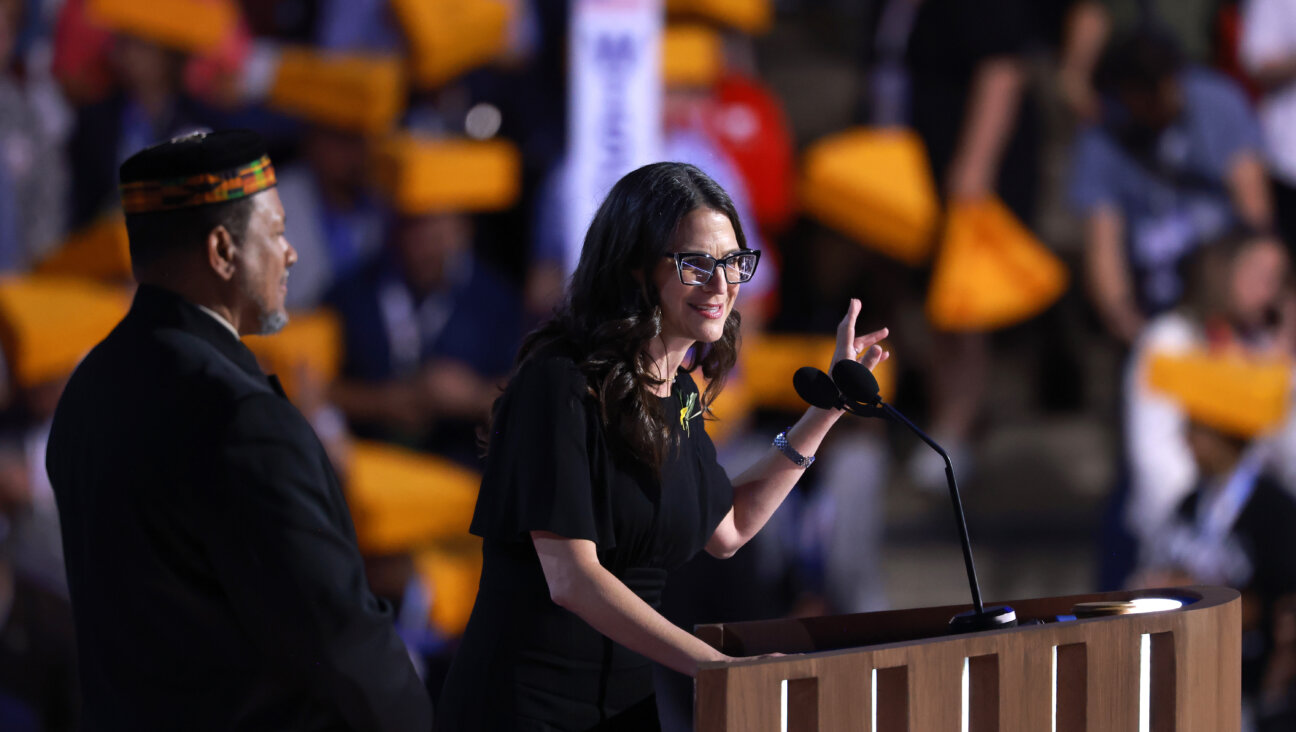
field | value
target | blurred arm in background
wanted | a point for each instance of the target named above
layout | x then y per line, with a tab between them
991	114
1108	276
1085	34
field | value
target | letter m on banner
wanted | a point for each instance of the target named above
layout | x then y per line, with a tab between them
615	116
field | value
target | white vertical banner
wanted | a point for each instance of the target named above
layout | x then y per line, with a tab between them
615	116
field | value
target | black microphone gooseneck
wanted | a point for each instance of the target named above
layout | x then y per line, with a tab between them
857	385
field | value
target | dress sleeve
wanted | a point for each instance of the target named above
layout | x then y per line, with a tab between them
544	445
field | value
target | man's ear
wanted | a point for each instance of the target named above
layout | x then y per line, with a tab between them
221	252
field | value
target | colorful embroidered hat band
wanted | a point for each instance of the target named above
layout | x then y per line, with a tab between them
148	196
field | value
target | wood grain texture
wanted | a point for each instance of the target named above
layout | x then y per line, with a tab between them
983	693
1072	687
1196	670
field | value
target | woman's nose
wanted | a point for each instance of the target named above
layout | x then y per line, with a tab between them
719	281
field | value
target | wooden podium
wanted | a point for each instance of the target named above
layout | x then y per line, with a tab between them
1170	671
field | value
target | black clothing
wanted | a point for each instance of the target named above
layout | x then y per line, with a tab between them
211	558
1284	207
525	662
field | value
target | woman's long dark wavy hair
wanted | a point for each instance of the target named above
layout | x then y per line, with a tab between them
611	311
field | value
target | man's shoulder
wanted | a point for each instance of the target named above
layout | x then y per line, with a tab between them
1205	88
165	362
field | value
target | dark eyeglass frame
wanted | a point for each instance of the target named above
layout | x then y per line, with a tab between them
726	260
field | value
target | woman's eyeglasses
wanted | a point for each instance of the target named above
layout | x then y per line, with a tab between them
695	268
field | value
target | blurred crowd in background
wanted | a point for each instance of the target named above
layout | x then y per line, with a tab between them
1066	212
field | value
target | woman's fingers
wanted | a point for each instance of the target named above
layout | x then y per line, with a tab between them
846	329
864	348
866	341
874	356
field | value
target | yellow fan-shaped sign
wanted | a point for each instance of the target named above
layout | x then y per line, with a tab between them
188	25
1233	393
100	250
312	341
364	93
451	574
426	174
748	16
448	37
991	272
401	499
875	186
48	324
692	55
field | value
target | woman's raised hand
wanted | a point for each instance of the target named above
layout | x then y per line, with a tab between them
851	346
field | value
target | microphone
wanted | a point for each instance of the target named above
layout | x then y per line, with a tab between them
818	390
857	384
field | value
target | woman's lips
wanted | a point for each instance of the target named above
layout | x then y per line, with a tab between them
711	312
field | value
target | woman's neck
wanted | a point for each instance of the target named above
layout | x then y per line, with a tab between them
666	355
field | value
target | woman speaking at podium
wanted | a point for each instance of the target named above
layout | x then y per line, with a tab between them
600	477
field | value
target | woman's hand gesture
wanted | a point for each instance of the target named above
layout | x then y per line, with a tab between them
850	346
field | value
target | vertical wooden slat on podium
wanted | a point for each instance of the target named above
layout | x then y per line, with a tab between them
844	694
1025	686
1072	688
892	699
935	690
755	697
710	707
1113	683
983	693
1208	663
803	705
1163	717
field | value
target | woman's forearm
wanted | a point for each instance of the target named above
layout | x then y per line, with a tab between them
761	488
578	583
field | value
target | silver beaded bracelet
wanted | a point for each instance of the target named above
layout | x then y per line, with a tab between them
781	444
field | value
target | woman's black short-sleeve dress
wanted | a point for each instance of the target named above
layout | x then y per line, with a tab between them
525	663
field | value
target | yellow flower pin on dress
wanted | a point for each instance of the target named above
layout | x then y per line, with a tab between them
689	410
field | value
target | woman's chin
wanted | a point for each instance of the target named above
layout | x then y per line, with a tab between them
709	333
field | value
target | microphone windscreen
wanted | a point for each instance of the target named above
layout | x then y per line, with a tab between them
855	381
814	386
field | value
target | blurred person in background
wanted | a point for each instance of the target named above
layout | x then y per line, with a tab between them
35	544
429	330
1238	300
1235	528
212	561
1174	162
1195	27
146	103
38	684
1267	50
968	102
33	169
337	222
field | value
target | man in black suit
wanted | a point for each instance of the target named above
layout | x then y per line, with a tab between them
211	558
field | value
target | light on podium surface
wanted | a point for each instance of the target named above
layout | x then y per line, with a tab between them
1155	604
